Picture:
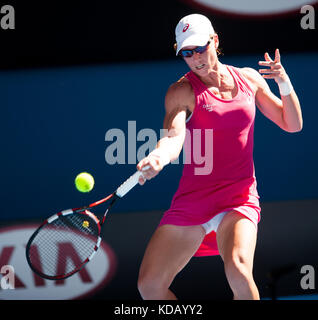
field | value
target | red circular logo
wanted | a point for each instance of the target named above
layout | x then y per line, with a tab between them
186	27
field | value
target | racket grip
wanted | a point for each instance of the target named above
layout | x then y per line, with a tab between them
129	183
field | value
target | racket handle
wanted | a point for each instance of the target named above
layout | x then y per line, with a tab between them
129	183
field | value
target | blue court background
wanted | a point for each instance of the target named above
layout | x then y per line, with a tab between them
54	121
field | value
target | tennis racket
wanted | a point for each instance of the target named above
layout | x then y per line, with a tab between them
47	250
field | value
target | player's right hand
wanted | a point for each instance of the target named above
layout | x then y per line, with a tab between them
154	167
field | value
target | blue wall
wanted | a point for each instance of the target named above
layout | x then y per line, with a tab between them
54	121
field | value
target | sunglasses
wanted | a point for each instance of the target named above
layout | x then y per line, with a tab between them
189	53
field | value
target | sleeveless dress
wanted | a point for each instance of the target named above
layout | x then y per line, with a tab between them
218	173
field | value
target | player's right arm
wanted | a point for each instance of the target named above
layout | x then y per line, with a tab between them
178	101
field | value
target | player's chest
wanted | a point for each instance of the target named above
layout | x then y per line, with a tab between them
216	114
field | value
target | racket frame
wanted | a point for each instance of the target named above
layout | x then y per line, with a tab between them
121	191
82	210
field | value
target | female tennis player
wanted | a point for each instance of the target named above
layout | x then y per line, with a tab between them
215	210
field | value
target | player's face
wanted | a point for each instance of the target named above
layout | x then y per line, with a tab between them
201	60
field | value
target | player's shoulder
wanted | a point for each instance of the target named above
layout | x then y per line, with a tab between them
181	86
248	71
253	76
254	79
179	92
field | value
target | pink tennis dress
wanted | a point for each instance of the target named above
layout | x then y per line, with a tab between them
218	173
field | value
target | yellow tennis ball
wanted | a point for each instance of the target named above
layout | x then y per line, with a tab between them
84	182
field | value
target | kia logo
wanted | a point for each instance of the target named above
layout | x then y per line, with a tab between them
27	285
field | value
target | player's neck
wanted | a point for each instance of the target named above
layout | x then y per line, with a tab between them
216	76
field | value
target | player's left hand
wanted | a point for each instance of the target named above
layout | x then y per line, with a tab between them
276	70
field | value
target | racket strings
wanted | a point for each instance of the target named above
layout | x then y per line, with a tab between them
61	246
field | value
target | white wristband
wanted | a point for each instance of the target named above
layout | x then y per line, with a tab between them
285	87
163	155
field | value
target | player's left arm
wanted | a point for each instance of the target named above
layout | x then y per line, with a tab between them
284	111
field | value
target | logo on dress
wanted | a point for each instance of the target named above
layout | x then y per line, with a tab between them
208	107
